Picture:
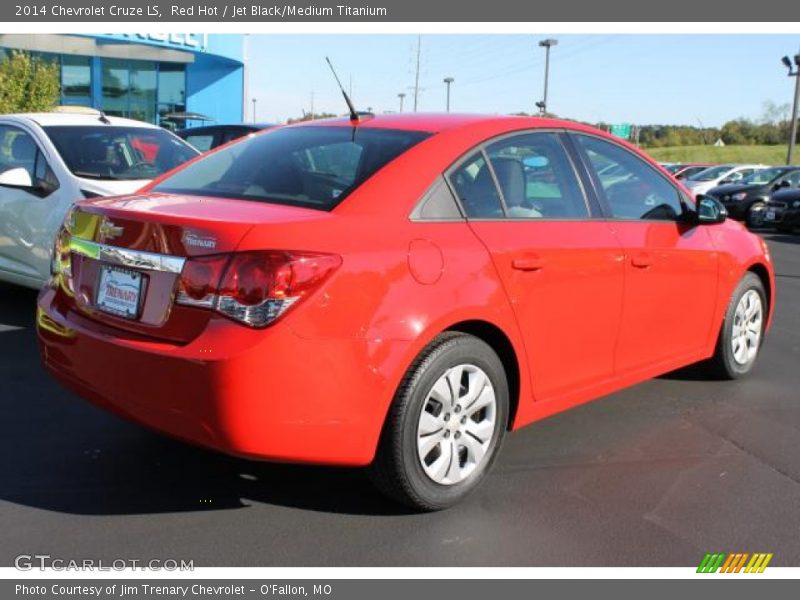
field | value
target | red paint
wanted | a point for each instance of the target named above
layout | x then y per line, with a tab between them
588	306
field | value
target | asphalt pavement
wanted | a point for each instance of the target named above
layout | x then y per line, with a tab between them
656	475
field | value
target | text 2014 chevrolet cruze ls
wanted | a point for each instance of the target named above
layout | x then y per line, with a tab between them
396	291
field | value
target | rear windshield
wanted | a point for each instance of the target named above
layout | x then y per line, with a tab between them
314	167
119	153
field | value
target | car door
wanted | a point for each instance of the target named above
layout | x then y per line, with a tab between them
670	264
25	240
560	267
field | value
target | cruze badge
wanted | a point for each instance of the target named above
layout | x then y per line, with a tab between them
108	230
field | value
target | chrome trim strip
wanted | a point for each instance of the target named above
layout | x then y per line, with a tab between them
125	257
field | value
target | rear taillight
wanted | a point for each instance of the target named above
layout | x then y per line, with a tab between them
254	288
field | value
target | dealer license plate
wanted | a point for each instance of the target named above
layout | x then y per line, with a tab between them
119	292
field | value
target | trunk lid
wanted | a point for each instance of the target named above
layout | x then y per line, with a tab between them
126	255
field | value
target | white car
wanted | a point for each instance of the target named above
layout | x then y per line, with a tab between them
48	161
701	182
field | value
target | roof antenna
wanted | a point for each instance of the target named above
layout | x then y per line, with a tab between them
353	114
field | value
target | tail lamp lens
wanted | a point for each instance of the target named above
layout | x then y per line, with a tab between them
254	288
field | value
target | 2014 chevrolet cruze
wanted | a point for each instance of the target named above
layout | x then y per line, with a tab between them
396	291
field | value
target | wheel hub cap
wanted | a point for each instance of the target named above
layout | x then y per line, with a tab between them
747	325
456	424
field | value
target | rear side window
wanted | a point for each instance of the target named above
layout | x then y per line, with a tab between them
632	188
315	167
474	185
203	143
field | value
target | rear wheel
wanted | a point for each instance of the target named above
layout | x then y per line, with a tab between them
742	330
445	426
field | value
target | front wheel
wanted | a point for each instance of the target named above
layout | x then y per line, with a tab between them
755	215
742	332
445	426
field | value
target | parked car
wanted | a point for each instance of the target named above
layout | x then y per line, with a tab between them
782	210
702	182
396	291
50	160
746	200
685	170
210	136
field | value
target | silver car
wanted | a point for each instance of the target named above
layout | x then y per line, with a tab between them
48	161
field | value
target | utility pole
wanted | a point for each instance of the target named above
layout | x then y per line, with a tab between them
254	110
416	75
793	72
448	81
312	104
401	95
245	74
546	44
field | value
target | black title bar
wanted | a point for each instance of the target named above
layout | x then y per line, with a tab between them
120	11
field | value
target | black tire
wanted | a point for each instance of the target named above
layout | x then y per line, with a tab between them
723	365
755	215
396	470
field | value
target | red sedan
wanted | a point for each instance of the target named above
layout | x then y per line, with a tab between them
397	291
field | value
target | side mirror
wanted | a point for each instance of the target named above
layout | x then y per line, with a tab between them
17	178
710	210
782	184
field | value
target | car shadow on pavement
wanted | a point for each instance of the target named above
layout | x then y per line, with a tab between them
59	453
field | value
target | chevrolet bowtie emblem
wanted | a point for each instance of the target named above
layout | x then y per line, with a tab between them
108	230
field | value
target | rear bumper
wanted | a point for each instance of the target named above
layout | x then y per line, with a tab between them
266	394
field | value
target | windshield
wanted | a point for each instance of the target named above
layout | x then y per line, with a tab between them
315	167
764	176
711	174
119	153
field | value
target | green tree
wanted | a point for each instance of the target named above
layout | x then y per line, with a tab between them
28	83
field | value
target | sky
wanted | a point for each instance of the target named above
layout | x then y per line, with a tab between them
640	79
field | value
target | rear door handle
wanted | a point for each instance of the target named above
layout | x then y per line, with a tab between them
528	263
642	260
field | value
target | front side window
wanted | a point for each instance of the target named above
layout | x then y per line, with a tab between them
314	166
764	176
793	178
18	150
536	178
118	153
632	188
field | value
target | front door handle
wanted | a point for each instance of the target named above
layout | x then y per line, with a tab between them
528	263
642	260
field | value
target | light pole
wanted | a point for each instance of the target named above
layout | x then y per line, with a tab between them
254	110
546	44
401	95
793	72
448	81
